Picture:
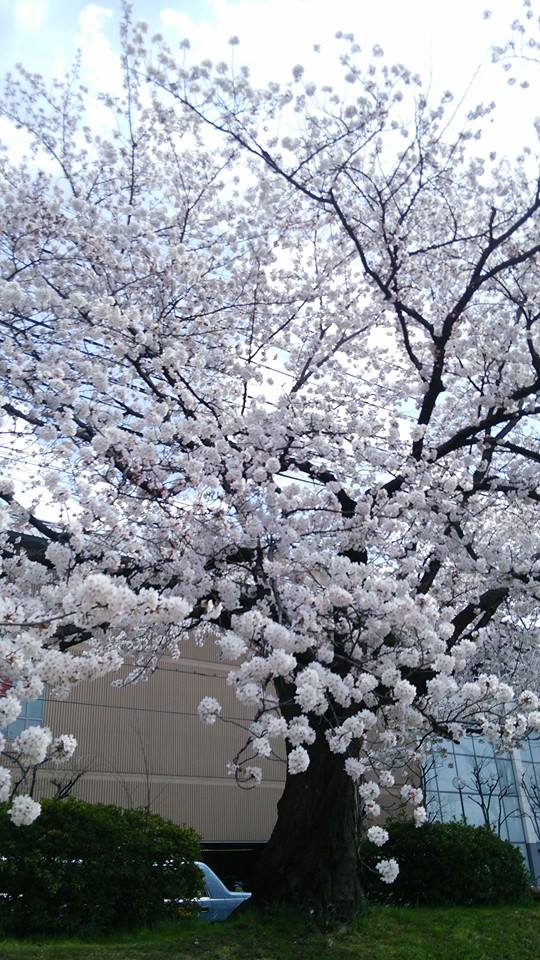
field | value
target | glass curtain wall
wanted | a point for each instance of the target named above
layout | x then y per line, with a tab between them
467	781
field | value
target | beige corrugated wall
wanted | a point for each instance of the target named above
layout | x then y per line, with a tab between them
143	745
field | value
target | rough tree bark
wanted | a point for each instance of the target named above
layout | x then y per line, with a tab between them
312	855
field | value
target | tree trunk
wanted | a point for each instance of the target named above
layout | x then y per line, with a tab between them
312	855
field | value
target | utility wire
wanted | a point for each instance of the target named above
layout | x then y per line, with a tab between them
138	709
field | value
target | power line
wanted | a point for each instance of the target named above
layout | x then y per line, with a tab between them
136	709
198	673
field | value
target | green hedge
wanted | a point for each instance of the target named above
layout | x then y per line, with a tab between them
446	863
83	866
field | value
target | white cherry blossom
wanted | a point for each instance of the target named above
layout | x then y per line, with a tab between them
277	394
24	811
388	870
377	835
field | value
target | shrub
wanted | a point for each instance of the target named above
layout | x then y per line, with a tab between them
446	863
83	866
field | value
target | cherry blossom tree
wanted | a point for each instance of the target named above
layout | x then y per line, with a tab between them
26	755
270	368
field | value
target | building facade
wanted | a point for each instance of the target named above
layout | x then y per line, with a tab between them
143	745
467	781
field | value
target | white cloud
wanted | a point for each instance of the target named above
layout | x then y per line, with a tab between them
276	34
92	17
17	141
100	62
273	35
448	44
30	14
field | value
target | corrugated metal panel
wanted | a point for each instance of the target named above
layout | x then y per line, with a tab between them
163	745
146	741
217	810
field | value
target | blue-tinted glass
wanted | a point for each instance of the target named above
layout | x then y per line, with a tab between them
473	811
514	825
533	821
431	796
497	815
483	747
430	774
443	755
34	709
505	772
471	783
465	746
500	828
530	780
490	781
451	808
446	772
530	790
31	715
15	728
468	771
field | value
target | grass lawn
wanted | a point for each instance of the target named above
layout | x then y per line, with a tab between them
384	933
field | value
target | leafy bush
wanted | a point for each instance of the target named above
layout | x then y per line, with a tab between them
83	866
446	863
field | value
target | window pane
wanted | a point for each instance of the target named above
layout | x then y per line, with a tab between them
530	792
530	780
480	785
451	808
34	709
514	825
15	728
505	771
483	747
496	814
488	779
446	771
433	807
430	773
465	746
31	715
467	771
473	811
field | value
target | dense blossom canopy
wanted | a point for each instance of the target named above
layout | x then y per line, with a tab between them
275	355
